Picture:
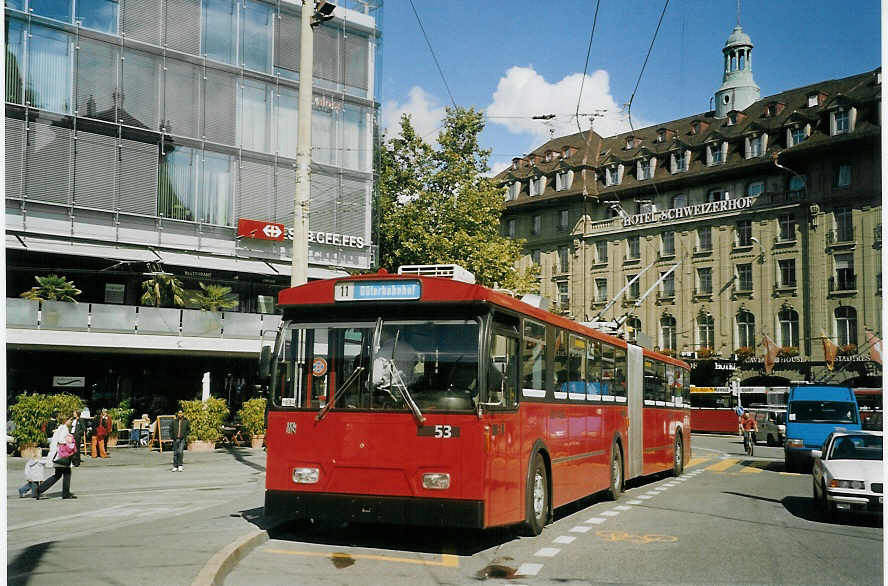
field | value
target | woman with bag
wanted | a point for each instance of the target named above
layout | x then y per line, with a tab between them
61	450
100	437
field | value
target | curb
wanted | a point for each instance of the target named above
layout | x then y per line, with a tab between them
214	572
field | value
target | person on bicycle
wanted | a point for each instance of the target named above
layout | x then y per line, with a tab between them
748	427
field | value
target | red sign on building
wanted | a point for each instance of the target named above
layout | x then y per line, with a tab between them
260	230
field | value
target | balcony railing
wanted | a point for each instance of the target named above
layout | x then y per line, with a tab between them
843	283
130	319
840	236
702	291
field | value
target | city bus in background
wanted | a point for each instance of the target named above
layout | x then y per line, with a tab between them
421	399
714	409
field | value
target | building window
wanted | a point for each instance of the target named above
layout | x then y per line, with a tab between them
510	228
841	122
718	195
563	296
601	251
601	290
843	175
846	325
100	15
743	233
704	238
254	130
787	225
668	242
535	256
797	184
50	80
612	175
679	201
787	270
845	278
744	277
668	334
812	100
633	247
679	161
238	33
705	331
796	135
789	327
634	289
667	285
563	220
563	259
844	231
754	146
755	189
646	169
633	327
514	188
704	281
746	329
196	186
537	185
537	224
715	153
563	180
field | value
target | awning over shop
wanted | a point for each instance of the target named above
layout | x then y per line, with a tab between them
77	248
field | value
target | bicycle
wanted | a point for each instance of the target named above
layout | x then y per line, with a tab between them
749	441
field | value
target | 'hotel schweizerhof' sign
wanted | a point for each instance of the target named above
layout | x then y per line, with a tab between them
700	209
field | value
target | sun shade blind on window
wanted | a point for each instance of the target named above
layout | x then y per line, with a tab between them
287	35
255	197
138	176
141	20
49	163
95	171
181	98
140	89
97	80
181	33
285	194
220	110
15	144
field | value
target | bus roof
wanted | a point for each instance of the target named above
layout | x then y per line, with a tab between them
443	290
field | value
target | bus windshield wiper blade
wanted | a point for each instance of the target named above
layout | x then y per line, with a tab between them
348	382
398	382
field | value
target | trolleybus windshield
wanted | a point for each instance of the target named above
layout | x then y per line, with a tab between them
378	365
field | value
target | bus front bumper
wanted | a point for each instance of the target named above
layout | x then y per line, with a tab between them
374	509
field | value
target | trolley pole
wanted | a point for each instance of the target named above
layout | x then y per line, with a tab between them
299	272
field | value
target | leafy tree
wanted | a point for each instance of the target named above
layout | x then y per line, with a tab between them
214	297
438	206
53	288
163	289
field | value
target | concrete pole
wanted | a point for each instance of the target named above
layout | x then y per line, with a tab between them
299	273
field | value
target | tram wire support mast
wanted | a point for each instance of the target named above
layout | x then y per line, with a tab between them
314	12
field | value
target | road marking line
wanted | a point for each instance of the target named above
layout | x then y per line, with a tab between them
694	461
565	539
751	470
529	569
645	496
673	483
580	529
596	520
622	508
610	513
447	560
723	465
66	517
634	502
547	552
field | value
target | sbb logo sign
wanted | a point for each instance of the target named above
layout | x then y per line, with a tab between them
260	230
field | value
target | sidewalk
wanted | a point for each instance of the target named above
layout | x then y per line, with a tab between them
134	521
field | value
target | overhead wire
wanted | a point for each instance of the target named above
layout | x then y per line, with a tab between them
435	57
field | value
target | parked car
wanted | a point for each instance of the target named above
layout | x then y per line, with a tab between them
812	413
847	472
771	424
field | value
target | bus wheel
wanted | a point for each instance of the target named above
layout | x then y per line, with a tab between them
537	497
678	457
616	474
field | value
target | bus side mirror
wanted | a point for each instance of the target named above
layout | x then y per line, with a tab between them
265	362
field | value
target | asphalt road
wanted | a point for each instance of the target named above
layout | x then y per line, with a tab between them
728	520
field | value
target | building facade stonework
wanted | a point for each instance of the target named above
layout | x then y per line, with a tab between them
763	220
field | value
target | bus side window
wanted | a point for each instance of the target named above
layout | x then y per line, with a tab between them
502	373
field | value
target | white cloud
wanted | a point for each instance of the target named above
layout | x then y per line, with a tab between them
523	93
426	114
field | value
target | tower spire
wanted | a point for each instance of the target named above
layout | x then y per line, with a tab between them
738	12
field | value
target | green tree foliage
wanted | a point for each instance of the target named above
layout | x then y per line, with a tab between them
31	412
53	288
214	297
206	418
252	415
163	290
437	206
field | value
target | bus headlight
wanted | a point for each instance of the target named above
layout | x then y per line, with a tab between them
306	475
436	481
795	443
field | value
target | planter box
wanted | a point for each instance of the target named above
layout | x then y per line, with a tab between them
201	446
28	451
257	441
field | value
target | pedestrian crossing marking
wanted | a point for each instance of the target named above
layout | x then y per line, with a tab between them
694	461
750	470
723	465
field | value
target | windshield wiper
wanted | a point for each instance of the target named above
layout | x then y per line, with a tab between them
348	382
398	382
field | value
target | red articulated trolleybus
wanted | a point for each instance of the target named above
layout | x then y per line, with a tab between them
419	400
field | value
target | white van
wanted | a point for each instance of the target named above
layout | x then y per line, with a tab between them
771	424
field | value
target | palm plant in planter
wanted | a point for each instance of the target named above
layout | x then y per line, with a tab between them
53	288
214	297
206	418
252	415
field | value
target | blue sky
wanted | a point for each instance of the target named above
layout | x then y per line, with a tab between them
522	58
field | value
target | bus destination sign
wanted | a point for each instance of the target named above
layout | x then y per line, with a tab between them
377	290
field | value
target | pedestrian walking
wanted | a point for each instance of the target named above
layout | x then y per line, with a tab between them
61	449
77	430
100	436
35	473
179	429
